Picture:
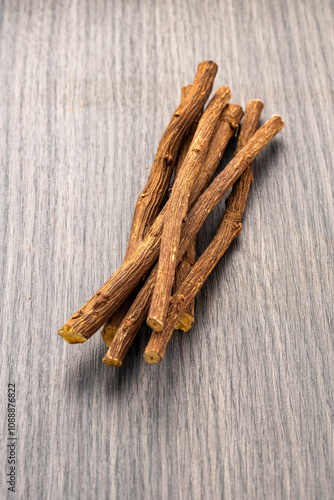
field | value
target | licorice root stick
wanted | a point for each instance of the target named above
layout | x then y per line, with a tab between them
227	126
150	199
188	260
178	206
228	230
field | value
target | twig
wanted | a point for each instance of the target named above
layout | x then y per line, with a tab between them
188	260
178	206
150	199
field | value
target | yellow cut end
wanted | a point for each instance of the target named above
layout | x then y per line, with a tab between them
111	361
70	335
152	357
185	322
155	324
281	120
108	333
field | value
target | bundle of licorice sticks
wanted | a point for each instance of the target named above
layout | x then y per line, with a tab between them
160	276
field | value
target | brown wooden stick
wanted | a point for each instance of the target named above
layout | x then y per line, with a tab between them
228	230
188	260
185	91
87	320
227	125
250	124
110	328
178	206
151	197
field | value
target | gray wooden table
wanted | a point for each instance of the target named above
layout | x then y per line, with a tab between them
241	407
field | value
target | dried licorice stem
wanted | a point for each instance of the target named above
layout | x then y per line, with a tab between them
188	260
227	126
250	124
228	230
150	199
178	206
85	322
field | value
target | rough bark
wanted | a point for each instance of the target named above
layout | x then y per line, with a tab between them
150	199
188	260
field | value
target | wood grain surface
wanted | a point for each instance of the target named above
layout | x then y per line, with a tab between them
242	406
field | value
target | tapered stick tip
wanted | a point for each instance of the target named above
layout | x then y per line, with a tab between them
70	335
155	324
110	361
152	357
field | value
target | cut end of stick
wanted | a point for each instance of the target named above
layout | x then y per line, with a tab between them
279	120
108	333
155	324
185	322
70	335
152	357
107	360
207	65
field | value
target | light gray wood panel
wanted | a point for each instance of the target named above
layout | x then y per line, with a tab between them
241	407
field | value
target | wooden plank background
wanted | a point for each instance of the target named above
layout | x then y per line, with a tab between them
241	407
